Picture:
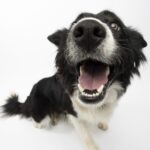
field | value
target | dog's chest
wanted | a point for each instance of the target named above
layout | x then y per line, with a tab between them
94	115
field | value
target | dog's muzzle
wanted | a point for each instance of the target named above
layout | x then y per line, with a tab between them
88	35
89	51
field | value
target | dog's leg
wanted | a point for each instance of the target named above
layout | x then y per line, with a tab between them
103	126
43	123
54	119
84	133
105	115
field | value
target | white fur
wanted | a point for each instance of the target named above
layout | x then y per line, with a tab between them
102	126
82	130
105	51
43	124
1	112
99	112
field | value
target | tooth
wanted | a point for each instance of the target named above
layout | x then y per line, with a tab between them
100	88
94	95
97	94
89	95
85	94
80	88
81	70
107	71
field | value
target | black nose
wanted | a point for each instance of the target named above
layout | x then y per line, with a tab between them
89	34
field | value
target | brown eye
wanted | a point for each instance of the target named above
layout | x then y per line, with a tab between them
115	27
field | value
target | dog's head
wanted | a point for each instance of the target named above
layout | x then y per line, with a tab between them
97	53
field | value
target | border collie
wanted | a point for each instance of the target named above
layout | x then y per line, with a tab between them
96	59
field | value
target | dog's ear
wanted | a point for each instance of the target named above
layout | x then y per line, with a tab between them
57	37
136	39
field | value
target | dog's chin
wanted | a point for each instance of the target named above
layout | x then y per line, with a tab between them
94	78
92	98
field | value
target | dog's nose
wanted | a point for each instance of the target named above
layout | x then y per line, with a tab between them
88	34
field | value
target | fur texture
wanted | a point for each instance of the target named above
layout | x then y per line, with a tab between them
96	48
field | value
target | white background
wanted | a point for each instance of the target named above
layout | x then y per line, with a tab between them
27	56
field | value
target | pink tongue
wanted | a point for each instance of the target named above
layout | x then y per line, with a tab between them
91	82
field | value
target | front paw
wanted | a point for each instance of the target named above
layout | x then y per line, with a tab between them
103	126
45	123
90	145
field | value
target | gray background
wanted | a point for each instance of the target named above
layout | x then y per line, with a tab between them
26	56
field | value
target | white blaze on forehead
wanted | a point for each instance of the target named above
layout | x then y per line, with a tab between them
88	18
108	46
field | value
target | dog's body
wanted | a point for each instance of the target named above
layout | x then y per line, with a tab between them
96	59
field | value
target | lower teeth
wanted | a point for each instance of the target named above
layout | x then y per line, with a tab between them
90	95
80	88
98	91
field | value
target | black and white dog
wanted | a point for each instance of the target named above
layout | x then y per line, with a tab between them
97	56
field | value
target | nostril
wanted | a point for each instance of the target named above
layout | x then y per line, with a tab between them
98	32
78	32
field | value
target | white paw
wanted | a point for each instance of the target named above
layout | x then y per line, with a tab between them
103	126
45	123
90	145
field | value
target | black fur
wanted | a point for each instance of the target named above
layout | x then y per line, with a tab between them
13	107
47	97
51	95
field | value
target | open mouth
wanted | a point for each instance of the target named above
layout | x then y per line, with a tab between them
94	78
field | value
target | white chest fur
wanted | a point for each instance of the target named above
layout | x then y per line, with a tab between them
101	112
95	115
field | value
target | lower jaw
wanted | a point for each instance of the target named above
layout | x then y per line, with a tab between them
92	100
95	99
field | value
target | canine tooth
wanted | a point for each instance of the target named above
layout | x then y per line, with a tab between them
100	88
82	93
85	94
107	71
80	88
81	70
97	94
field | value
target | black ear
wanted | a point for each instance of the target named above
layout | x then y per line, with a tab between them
137	39
57	37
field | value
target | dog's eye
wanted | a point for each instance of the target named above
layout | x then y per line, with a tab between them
115	27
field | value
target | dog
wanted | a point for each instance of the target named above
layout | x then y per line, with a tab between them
96	59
